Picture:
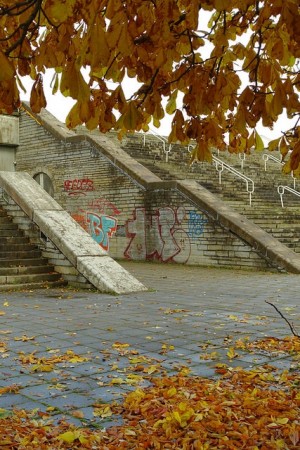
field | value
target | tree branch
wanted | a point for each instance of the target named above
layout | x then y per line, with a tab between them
291	326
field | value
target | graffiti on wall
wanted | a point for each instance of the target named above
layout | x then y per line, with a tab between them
101	228
196	224
166	239
99	220
78	186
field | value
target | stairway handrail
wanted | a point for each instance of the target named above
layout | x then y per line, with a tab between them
161	139
249	182
281	190
266	158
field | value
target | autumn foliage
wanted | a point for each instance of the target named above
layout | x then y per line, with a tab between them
219	67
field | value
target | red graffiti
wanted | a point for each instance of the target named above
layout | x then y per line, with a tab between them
78	186
165	240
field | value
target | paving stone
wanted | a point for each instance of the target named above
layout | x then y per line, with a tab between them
196	310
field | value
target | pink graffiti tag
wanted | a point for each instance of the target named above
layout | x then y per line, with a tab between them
101	228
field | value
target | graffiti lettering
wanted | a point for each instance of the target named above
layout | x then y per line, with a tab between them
165	241
196	224
77	187
101	228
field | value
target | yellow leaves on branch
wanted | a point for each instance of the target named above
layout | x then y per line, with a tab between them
223	77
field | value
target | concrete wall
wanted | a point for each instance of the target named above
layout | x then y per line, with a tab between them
9	130
108	193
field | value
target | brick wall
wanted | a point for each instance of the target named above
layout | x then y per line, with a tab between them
122	214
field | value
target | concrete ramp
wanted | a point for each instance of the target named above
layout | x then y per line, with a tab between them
68	236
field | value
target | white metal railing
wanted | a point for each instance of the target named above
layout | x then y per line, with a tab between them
266	158
221	165
281	190
166	146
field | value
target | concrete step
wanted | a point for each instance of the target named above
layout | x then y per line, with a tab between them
16	247
9	240
36	253
33	285
10	232
8	226
29	278
21	263
21	270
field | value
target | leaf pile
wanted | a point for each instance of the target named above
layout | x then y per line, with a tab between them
255	409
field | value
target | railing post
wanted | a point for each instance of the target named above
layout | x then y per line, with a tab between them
242	157
280	191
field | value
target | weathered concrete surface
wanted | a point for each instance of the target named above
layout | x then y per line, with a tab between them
269	247
27	193
66	233
68	236
9	130
105	273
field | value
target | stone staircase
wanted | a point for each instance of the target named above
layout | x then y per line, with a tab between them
265	210
21	263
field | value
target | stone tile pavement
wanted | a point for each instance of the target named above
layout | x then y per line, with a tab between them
70	352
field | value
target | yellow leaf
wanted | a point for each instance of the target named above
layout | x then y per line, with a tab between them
231	353
202	152
221	5
131	117
58	11
77	359
73	84
104	411
42	368
259	144
68	436
117	381
273	145
151	369
120	345
7	69
171	105
37	96
282	420
171	392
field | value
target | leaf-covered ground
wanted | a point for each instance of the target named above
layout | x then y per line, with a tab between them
237	409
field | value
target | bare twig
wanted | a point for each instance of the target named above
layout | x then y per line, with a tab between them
291	326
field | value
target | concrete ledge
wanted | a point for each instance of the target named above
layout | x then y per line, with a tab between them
108	275
266	245
68	236
27	193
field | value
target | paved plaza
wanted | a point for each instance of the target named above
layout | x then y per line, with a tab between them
69	352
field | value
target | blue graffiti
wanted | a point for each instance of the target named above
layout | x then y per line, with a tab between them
196	223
